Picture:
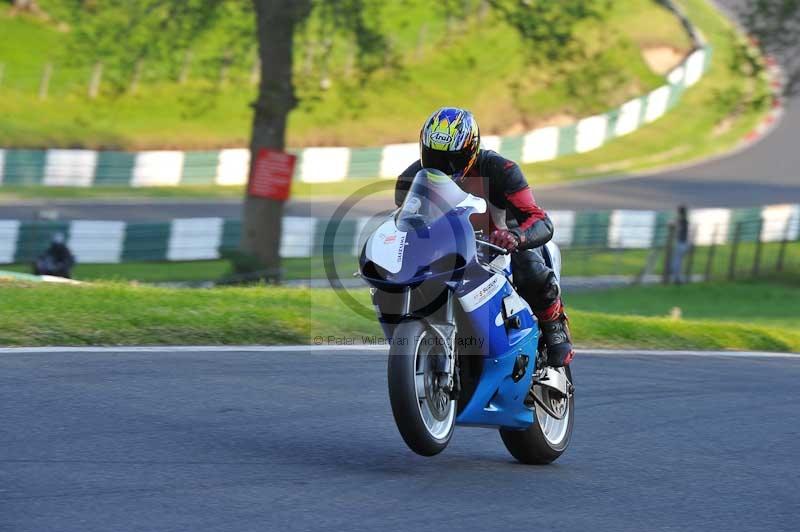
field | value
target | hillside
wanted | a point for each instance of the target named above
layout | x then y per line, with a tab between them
478	62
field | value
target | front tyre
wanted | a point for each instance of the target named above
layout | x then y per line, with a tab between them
548	437
423	410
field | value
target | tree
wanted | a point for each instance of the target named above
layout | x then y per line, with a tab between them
122	33
275	21
776	26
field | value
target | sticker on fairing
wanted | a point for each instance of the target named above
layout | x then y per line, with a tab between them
483	293
386	247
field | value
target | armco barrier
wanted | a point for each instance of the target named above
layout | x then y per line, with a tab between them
208	238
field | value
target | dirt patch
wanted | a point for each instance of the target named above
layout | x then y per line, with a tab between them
662	59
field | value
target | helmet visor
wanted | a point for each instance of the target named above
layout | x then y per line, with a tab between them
452	163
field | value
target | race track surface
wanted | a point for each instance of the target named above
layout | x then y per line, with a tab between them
295	440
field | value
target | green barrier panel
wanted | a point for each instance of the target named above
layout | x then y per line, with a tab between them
750	220
24	167
199	168
511	148
591	229
342	242
231	235
567	135
675	94
611	124
145	241
114	168
661	229
364	163
35	237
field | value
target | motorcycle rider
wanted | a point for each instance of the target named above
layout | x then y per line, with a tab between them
450	142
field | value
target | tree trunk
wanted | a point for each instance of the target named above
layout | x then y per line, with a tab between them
275	24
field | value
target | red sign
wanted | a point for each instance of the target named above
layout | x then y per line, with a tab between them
272	175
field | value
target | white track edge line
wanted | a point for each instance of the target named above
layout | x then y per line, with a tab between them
361	348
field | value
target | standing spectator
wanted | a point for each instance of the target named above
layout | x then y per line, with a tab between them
681	246
56	260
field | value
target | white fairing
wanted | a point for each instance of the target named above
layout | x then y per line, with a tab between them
476	203
486	291
386	246
555	257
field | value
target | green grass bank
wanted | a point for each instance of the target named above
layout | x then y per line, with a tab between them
124	314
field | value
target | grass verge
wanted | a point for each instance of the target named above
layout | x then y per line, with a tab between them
121	314
774	259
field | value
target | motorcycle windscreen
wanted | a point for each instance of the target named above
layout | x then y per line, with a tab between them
432	195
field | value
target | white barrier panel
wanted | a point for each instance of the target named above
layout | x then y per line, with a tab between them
563	227
195	238
628	120
233	167
158	168
657	103
780	222
324	165
540	145
397	157
94	241
694	67
2	165
709	226
491	142
297	236
677	75
9	233
70	168
631	229
591	133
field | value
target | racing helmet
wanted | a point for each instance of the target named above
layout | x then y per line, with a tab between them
449	142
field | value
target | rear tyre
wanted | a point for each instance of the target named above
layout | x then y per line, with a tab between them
548	437
424	413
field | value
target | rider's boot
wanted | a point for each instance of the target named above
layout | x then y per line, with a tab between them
555	331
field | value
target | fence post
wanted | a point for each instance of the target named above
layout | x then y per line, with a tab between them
45	83
666	274
711	249
94	82
737	233
224	67
422	40
784	243
757	256
255	71
183	76
137	76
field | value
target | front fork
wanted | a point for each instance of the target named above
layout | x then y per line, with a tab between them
448	379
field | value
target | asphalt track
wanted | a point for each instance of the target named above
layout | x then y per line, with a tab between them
200	440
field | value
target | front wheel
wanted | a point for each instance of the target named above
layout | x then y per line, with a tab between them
548	437
422	407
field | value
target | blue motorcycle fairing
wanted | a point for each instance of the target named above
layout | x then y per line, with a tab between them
409	258
497	399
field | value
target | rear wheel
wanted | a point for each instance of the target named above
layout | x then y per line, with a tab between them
422	407
548	437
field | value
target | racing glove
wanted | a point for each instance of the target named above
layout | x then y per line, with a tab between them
505	239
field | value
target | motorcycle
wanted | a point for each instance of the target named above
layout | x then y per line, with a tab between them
465	348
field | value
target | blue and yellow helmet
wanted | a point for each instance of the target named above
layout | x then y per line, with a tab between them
449	141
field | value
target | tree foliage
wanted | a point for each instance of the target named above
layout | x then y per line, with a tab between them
550	27
776	26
